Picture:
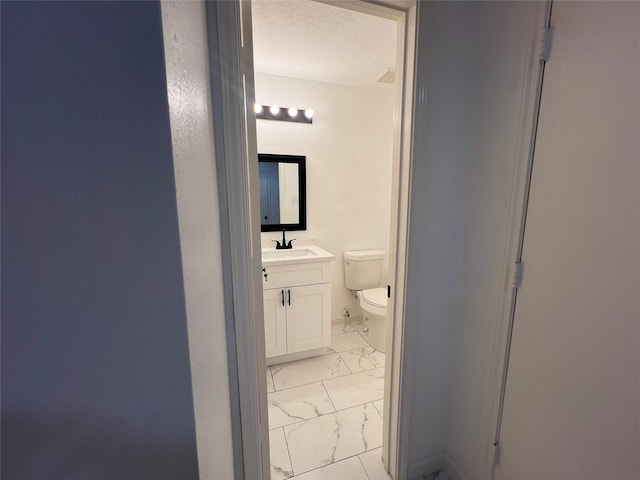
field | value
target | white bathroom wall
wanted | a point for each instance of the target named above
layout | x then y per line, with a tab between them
348	149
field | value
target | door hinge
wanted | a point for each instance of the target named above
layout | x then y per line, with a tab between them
517	274
496	452
545	47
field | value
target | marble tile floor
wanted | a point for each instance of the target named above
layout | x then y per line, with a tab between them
325	412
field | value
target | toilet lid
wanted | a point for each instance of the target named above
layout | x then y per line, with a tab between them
376	297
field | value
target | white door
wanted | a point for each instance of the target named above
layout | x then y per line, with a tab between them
308	317
572	405
275	323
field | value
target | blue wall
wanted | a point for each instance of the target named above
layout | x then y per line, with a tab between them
95	364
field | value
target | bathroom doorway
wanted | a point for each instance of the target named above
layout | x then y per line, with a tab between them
342	214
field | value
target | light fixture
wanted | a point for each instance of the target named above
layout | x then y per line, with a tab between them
285	114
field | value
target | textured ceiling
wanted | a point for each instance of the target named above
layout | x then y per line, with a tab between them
314	41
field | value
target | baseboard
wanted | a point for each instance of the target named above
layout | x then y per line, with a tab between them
423	468
453	470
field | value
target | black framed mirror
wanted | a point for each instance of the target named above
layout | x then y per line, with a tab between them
282	180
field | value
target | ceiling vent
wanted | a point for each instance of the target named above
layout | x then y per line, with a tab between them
388	76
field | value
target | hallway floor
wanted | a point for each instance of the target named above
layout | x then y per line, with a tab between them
325	412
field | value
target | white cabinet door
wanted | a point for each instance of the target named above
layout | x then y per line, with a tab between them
308	317
275	322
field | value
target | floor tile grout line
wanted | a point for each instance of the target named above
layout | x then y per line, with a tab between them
329	396
311	383
330	351
307	384
272	382
373	403
362	369
345	363
335	411
330	348
316	416
375	409
329	378
286	443
357	454
363	467
325	387
324	380
338	461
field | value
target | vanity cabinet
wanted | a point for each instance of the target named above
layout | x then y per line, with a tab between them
297	308
275	322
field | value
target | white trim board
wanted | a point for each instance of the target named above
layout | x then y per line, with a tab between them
194	157
232	87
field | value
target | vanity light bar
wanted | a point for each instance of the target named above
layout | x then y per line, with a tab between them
284	114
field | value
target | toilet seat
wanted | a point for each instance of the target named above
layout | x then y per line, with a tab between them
374	301
376	297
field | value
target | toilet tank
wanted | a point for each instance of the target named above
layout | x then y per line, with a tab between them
363	269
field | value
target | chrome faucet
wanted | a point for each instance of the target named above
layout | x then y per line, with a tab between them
284	244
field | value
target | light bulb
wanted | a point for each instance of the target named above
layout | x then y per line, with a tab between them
293	112
274	109
257	107
308	113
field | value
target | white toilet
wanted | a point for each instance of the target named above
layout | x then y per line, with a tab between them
363	273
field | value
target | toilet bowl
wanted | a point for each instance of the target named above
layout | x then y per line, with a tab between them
374	313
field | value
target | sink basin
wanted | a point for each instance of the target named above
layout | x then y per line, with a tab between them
292	253
302	254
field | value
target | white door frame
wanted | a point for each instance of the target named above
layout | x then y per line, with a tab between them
231	52
231	83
